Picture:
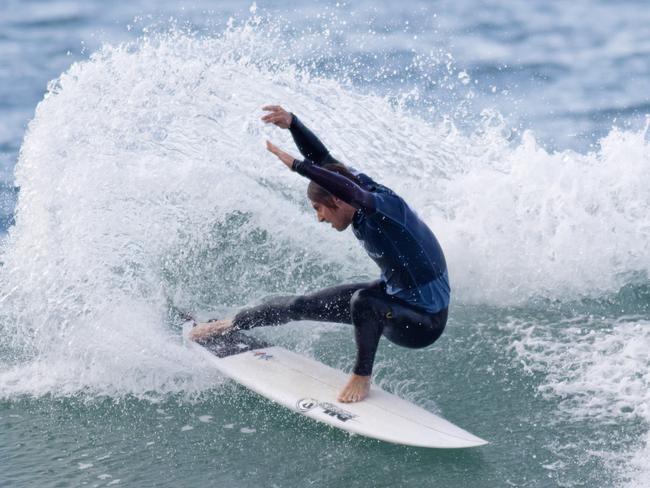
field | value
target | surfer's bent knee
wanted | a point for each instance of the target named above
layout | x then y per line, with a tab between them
403	324
364	302
413	329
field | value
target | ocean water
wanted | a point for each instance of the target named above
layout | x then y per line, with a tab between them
135	186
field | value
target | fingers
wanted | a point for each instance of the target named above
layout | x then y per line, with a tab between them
274	149
272	118
277	115
286	158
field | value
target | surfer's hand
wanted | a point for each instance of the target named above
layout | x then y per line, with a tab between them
286	158
203	332
277	116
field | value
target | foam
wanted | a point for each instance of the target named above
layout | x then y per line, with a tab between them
598	370
638	471
144	182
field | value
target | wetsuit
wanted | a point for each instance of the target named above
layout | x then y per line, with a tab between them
408	304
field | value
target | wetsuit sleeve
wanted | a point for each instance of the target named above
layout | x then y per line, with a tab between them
338	185
308	144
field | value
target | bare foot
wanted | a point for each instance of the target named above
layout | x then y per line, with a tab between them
356	390
202	332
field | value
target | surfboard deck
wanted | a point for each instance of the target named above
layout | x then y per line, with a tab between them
310	388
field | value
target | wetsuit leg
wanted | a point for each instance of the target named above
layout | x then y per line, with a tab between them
366	305
328	305
375	313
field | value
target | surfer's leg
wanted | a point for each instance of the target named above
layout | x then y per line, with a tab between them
327	305
410	327
375	313
367	331
365	309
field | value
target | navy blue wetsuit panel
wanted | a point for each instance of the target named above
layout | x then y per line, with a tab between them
408	254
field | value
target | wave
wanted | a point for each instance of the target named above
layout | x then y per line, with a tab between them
145	188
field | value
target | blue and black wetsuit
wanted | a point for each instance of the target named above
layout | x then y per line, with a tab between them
408	304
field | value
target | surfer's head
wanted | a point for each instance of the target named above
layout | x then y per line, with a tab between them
329	208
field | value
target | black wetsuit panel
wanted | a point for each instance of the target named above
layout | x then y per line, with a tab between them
365	305
308	144
338	185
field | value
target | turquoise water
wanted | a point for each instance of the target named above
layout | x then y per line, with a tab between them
141	189
227	436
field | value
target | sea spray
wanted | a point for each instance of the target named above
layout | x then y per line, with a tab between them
145	189
150	154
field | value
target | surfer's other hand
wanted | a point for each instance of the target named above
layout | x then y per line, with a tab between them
286	158
278	116
205	331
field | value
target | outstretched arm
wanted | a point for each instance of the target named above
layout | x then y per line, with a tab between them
308	144
338	185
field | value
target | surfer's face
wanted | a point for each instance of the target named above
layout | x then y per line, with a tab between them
339	216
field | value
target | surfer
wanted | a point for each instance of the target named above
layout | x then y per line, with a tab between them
408	304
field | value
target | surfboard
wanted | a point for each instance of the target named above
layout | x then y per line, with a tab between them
310	388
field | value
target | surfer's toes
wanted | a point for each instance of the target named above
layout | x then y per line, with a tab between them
206	331
356	389
352	397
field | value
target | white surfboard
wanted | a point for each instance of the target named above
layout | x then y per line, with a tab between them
309	387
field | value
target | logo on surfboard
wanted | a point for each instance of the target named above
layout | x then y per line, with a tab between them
306	404
263	355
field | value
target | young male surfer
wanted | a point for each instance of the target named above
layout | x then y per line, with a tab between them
408	304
